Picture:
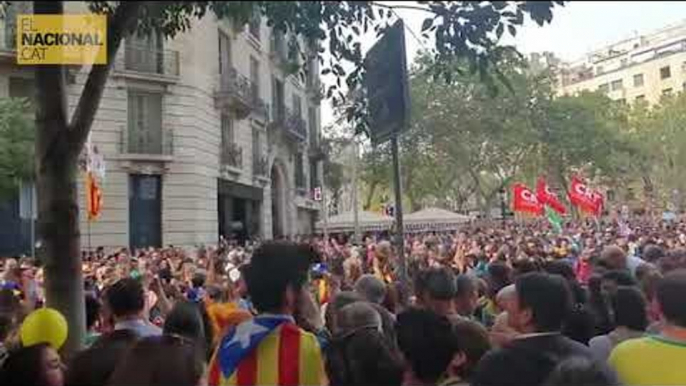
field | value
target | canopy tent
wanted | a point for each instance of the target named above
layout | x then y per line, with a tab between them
434	219
345	222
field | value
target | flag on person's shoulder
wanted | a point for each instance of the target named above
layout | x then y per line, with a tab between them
267	350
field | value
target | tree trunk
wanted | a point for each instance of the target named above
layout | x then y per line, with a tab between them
58	144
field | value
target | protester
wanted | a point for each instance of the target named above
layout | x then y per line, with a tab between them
160	360
38	365
629	310
541	304
658	360
276	280
95	365
466	295
428	345
126	301
577	371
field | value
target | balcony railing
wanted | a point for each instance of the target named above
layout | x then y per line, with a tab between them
237	93
146	60
159	142
292	124
232	155
260	166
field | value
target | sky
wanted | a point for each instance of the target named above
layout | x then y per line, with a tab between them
578	27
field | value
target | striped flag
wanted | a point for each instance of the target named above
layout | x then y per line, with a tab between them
267	350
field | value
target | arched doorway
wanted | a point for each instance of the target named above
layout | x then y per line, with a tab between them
278	202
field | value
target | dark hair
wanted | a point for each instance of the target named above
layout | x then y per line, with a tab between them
498	277
362	358
125	297
465	284
582	371
198	280
440	283
652	253
547	296
670	296
95	365
184	319
22	366
160	360
629	307
92	311
620	277
562	268
273	268
475	343
427	341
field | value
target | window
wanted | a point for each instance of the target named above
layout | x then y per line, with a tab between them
256	144
144	123
144	53
224	53
604	87
667	91
254	26
299	171
665	73
638	80
617	85
599	70
312	126
297	106
622	101
313	175
640	98
278	98
255	77
227	129
624	62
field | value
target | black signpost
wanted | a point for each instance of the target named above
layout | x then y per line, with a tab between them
388	94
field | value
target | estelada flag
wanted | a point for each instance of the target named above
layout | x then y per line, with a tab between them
267	350
585	199
548	197
93	197
524	200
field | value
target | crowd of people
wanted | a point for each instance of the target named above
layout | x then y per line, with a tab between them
506	303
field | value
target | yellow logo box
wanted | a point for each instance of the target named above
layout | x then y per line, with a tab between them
61	39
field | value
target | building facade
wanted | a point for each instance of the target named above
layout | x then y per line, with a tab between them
643	67
203	135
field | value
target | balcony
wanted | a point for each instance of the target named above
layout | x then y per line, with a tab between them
231	157
147	63
237	94
146	145
291	124
8	39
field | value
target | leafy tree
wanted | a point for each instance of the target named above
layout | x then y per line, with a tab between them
469	30
17	139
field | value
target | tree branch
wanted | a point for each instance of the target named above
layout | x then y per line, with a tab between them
118	26
406	7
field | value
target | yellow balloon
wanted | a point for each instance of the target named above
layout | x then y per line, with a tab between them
45	325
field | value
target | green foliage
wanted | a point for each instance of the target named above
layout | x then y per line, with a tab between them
466	30
17	135
466	144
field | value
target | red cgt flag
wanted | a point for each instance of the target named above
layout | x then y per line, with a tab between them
524	200
548	197
585	199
